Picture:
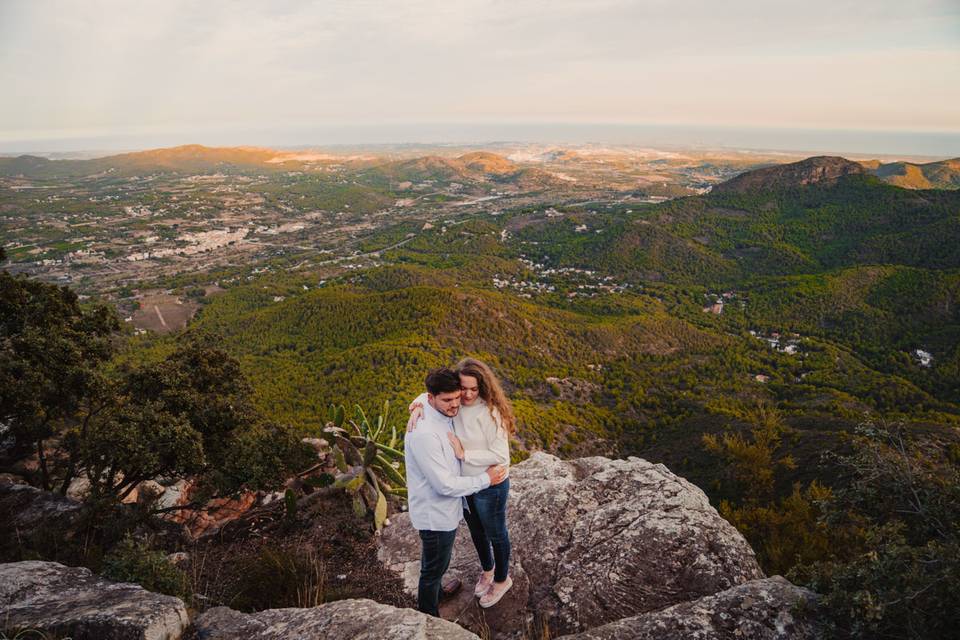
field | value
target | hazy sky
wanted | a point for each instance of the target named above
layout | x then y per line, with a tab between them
181	71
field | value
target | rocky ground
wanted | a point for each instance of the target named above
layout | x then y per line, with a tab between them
599	541
602	549
71	600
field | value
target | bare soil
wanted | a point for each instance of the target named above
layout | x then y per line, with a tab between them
163	313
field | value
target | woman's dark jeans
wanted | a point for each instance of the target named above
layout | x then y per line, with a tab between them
486	516
435	550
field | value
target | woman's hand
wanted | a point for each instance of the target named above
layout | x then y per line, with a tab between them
456	444
416	412
497	473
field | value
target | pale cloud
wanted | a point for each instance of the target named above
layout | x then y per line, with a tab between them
118	66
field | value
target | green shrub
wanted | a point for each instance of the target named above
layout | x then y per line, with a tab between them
894	590
132	561
787	532
903	580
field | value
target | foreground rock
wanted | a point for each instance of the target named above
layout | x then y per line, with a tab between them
28	510
34	519
341	620
512	615
602	548
72	602
595	540
768	609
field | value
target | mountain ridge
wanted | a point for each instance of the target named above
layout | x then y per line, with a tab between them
473	166
813	170
943	174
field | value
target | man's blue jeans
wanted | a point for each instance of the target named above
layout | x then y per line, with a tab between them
435	550
486	515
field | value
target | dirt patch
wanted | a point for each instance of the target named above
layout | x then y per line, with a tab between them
163	313
522	222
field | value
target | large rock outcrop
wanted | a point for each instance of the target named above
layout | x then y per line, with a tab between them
72	602
31	518
768	609
341	620
594	541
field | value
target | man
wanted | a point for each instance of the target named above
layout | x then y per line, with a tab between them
435	486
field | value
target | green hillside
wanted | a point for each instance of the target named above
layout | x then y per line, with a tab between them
355	340
602	335
727	237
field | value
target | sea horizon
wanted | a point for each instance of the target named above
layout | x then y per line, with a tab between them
928	145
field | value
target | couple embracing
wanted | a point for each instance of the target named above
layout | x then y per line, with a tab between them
457	456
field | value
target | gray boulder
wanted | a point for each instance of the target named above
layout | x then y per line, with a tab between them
596	540
79	488
173	494
27	512
768	609
341	620
71	601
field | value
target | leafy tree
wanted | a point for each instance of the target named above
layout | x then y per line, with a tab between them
204	386
260	456
50	350
187	415
131	443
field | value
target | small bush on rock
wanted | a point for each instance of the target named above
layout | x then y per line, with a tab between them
132	561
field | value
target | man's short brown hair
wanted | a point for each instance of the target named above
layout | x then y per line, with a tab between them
442	380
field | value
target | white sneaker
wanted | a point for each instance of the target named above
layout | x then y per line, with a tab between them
496	592
483	585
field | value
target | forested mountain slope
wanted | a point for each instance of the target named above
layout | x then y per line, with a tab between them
727	237
605	324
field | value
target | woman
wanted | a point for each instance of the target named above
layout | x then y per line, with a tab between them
482	430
